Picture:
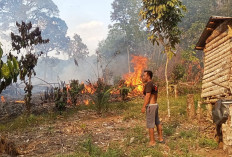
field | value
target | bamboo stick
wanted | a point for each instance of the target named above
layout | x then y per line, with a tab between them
218	62
221	28
218	50
223	82
222	41
218	59
219	67
217	72
220	78
222	35
218	53
214	93
215	90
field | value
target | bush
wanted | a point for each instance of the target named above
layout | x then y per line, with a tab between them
75	90
60	98
191	134
101	96
170	129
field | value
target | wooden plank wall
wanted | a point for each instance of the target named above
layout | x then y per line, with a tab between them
217	62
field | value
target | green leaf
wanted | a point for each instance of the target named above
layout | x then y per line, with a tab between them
5	71
11	68
15	63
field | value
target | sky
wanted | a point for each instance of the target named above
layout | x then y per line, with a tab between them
87	18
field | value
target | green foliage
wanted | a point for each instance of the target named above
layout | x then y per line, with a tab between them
101	96
8	71
25	122
190	134
77	49
22	122
144	151
88	148
178	73
124	91
60	98
92	149
27	40
134	110
137	134
169	130
189	55
75	90
206	142
162	18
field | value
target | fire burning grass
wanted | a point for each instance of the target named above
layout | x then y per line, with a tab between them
134	78
3	99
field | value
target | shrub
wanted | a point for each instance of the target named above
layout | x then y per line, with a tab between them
101	96
60	99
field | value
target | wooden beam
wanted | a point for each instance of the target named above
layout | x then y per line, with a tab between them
220	85
209	29
199	48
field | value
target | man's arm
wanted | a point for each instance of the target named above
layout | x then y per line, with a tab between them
146	101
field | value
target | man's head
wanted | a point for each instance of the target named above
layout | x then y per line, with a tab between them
147	75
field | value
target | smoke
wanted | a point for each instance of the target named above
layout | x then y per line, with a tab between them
56	70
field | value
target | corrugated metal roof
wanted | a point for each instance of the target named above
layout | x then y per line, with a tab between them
213	23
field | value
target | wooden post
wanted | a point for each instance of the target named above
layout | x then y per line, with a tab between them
199	111
190	107
175	91
209	112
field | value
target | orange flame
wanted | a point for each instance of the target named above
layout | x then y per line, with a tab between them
68	87
89	89
134	78
86	102
20	101
3	99
69	101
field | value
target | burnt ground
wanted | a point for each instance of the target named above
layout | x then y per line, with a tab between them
63	135
123	126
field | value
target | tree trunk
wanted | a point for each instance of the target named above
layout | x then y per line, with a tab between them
45	68
28	96
166	78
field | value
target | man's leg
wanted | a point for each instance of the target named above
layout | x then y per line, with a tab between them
160	133
152	138
158	125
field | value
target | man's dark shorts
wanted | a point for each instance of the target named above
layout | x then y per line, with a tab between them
152	115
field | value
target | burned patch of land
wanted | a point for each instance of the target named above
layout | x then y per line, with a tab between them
119	132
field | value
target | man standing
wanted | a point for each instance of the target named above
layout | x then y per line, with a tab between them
151	107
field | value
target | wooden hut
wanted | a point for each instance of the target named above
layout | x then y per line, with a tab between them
216	42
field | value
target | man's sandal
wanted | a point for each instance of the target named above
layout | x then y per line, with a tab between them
162	142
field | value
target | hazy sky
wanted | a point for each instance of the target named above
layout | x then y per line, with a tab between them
88	18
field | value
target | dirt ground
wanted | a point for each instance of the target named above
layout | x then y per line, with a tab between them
63	135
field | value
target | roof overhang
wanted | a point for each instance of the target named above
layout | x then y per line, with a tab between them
213	23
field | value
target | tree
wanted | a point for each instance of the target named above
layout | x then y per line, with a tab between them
77	49
162	18
127	36
178	73
43	14
26	41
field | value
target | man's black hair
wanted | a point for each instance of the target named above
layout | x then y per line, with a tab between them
149	73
